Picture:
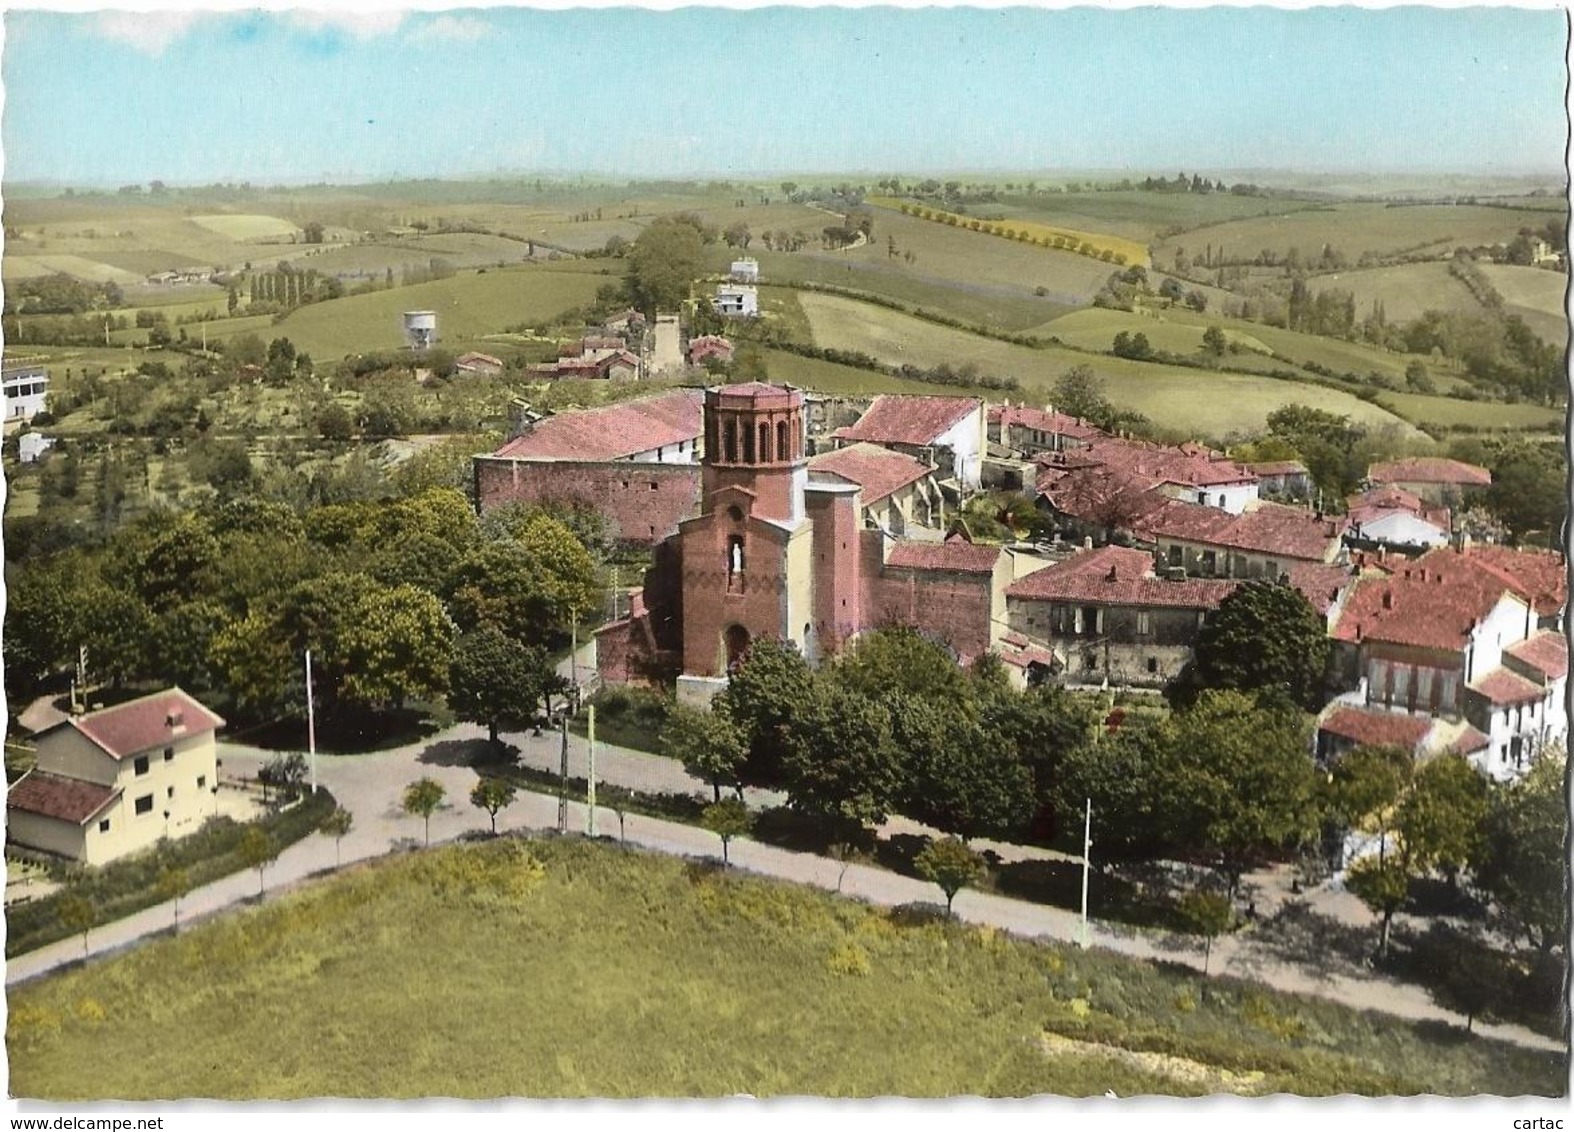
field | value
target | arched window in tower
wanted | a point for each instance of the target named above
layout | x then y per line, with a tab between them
748	444
783	453
765	443
730	442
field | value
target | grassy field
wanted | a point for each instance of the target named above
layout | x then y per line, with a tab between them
1206	404
565	969
1446	412
1356	228
1535	295
1135	214
1026	231
1406	290
245	227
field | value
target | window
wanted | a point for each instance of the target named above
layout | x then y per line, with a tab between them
1175	556
1272	570
1143	628
1221	500
652	485
765	443
748	445
1090	661
103	826
781	441
1210	561
202	782
169	791
145	804
729	441
141	765
169	753
1153	665
735	513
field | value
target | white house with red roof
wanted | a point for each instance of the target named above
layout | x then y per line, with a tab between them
1030	431
1396	519
948	432
1434	478
111	782
1467	643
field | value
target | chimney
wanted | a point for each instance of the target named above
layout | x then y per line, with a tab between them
1110	577
1087	542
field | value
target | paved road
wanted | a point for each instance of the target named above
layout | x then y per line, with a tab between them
371	786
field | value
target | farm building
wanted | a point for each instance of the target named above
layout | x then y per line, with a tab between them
1030	432
478	363
735	300
707	347
1433	478
33	445
111	782
744	271
26	390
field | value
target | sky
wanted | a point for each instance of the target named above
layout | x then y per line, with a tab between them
188	96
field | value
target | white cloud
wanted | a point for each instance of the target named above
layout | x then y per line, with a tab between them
457	28
364	23
148	32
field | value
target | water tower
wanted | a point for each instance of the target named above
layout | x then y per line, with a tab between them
420	329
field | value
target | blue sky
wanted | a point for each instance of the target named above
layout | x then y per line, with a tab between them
190	96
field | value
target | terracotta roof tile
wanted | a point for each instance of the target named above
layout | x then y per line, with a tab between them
955	554
1430	469
1277	468
899	419
1469	741
1542	575
1268	528
1043	420
1377	728
1546	652
878	471
615	432
65	799
1432	602
1502	687
1319	582
144	723
1118	575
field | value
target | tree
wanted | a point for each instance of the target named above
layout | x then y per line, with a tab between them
738	236
283	773
959	778
336	825
708	743
173	883
949	864
666	259
1214	340
764	697
902	660
1524	860
397	642
1463	973
1264	635
496	681
1080	392
334	422
617	799
1366	784
842	762
421	798
492	794
312	232
1528	491
78	914
1206	913
1443	817
1382	885
258	850
727	819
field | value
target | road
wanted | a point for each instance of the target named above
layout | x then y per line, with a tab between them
371	787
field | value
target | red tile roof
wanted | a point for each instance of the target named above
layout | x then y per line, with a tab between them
1469	741
144	723
1379	502
52	796
1430	469
1546	652
878	471
898	419
1319	582
1269	528
955	554
1502	687
1377	728
1432	602
615	432
1043	420
476	359
1542	575
1118	575
1189	465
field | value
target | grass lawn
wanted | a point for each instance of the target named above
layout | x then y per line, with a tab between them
1199	402
563	968
1482	415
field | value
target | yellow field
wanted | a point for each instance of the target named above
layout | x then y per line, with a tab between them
20	267
247	226
1122	250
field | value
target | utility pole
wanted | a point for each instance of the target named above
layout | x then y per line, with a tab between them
590	774
573	650
1087	853
562	790
311	721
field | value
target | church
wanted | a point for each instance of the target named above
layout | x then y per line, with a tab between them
795	548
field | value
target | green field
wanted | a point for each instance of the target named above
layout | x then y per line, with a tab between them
1136	214
1205	404
1406	290
565	969
1536	295
246	227
1358	227
1446	412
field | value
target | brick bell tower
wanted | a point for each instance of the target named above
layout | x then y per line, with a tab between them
754	440
746	557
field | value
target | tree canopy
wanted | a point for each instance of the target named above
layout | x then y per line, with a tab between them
1265	635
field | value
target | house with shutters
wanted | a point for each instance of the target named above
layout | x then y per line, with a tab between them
110	782
1461	649
947	432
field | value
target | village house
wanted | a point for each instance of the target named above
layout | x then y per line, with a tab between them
947	432
709	347
1465	642
898	492
1282	479
1392	518
32	446
744	271
1028	432
1259	542
110	782
474	362
1432	478
26	390
736	300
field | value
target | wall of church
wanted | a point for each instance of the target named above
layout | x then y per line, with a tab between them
643	503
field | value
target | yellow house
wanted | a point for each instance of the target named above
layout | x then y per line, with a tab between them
111	782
